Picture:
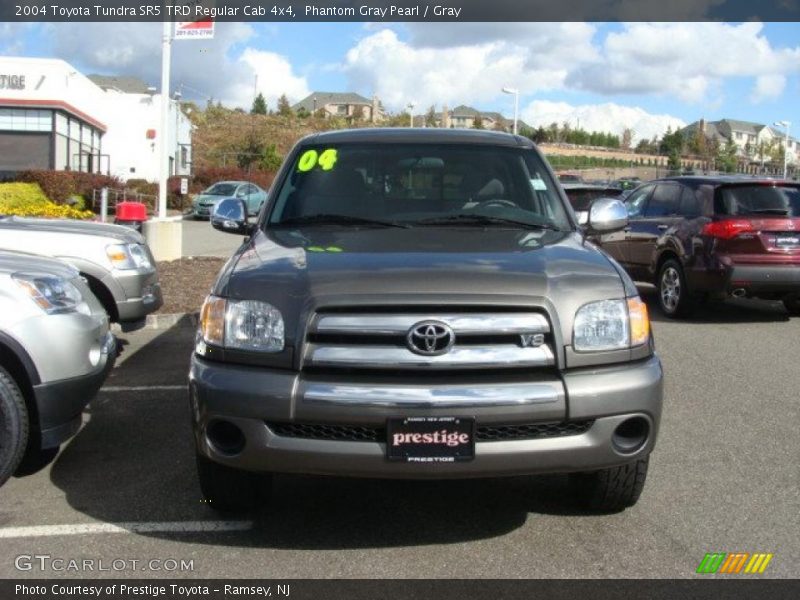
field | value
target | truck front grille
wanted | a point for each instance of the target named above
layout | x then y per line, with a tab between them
483	433
462	338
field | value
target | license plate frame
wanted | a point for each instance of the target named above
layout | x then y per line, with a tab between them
422	447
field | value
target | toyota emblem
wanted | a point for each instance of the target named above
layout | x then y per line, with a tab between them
430	338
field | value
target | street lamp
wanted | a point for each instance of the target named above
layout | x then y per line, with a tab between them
515	91
784	124
410	106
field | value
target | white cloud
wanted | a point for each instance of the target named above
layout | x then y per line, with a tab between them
207	68
275	77
532	57
768	87
608	117
685	60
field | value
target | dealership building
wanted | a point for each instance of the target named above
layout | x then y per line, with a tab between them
53	117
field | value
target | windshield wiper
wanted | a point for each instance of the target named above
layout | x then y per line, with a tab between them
331	219
482	220
768	211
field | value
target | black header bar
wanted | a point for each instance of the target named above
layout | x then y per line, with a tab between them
398	10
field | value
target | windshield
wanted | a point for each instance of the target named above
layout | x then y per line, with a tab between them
759	200
221	189
420	185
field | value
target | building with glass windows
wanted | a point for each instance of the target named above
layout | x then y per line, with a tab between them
53	117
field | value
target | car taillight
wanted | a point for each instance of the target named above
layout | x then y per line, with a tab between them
727	229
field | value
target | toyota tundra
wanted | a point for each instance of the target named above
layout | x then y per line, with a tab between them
422	303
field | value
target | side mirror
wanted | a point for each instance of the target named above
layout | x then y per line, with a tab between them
230	216
606	215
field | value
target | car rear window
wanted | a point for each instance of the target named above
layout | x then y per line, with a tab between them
580	199
742	200
411	182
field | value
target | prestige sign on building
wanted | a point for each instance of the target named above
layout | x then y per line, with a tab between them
12	82
54	117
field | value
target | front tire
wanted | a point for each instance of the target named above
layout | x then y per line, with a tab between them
613	489
226	489
674	297
14	426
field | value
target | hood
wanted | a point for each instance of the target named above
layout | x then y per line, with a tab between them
13	261
301	270
117	232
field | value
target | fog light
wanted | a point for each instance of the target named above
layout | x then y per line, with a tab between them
630	435
225	437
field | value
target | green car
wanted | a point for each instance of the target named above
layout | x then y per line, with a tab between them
204	202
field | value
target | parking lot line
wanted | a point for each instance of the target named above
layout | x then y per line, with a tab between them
130	527
142	388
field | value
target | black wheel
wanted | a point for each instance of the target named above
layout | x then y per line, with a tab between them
792	304
14	426
674	297
614	489
229	490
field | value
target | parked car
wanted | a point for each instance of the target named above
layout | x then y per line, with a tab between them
115	261
253	196
581	196
717	236
55	352
570	178
421	304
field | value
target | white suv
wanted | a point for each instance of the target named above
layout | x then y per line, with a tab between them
55	352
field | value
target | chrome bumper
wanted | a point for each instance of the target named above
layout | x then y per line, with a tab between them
250	397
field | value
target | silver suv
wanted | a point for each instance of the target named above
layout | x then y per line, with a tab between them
55	352
115	261
423	304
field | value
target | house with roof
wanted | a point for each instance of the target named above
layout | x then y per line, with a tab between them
465	117
347	105
747	136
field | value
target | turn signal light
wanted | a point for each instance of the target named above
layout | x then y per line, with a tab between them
727	229
639	321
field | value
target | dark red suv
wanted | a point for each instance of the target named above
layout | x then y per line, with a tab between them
712	236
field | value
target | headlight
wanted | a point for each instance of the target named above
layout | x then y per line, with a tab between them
53	294
611	325
242	325
128	256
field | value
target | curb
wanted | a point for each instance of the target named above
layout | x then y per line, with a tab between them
167	321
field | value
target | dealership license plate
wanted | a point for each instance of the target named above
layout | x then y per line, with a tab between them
430	439
788	240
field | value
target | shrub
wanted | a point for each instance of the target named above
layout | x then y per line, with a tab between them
28	200
60	186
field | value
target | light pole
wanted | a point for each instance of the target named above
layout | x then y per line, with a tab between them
515	91
786	125
410	106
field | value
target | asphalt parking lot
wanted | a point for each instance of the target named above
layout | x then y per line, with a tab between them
200	239
724	477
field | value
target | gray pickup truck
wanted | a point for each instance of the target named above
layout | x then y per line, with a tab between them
422	304
114	260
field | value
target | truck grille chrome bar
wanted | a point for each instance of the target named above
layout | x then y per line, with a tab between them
430	340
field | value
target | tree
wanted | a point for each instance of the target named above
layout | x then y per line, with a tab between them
259	105
478	122
727	159
302	113
284	108
430	117
627	138
358	113
271	159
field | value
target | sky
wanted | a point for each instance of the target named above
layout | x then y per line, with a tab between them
646	76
